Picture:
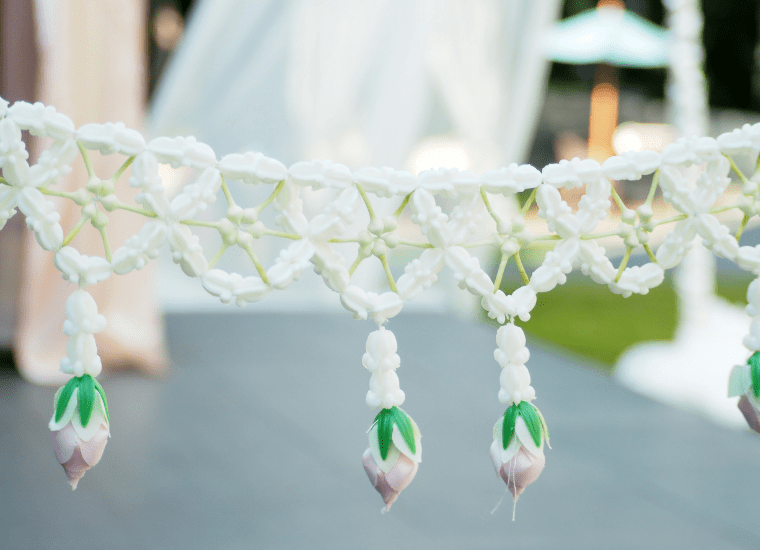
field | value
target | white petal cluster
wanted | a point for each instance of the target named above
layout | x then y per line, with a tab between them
752	340
379	307
110	138
512	354
82	322
382	361
81	269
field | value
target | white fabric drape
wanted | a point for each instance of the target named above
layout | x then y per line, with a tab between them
298	77
360	83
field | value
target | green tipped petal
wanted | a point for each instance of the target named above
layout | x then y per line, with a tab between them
533	420
754	364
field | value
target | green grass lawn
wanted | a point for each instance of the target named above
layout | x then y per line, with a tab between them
588	319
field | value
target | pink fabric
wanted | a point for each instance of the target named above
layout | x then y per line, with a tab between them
77	456
750	413
391	484
134	335
519	472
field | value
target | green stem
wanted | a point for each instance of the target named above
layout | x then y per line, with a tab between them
365	198
86	158
137	210
650	253
671	220
200	223
342	241
500	272
55	192
400	209
618	200
742	225
106	245
530	200
356	263
218	255
735	168
284	235
599	235
723	209
653	188
257	263
488	206
623	263
227	194
122	169
416	244
271	197
3	180
73	233
520	268
388	274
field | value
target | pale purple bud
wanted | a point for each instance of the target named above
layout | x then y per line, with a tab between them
75	455
520	471
749	409
390	484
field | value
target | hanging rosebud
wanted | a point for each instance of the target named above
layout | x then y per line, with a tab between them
80	426
745	382
517	450
394	453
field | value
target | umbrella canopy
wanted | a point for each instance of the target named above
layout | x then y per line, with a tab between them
608	35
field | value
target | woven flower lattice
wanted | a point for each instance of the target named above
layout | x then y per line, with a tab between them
438	217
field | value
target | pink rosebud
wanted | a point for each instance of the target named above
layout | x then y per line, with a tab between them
517	450
75	455
520	471
748	407
79	426
394	453
390	484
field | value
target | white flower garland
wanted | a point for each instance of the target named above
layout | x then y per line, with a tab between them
364	208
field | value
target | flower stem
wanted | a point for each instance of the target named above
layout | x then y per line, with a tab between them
86	158
500	272
271	197
403	204
623	263
388	274
520	268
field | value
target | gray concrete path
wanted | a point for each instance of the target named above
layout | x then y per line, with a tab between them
255	441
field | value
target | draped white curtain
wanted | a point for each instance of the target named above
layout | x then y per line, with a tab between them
356	81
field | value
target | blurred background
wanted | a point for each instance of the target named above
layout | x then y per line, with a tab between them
413	85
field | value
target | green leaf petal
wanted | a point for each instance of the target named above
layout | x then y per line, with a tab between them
63	400
508	428
532	421
102	393
86	398
384	421
754	363
405	427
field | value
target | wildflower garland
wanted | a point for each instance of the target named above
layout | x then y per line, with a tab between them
374	210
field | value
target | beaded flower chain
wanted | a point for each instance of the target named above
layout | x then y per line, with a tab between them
368	209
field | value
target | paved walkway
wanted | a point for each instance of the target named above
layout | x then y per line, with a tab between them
255	441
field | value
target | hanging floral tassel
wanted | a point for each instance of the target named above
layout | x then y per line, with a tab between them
395	450
744	380
517	450
80	423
